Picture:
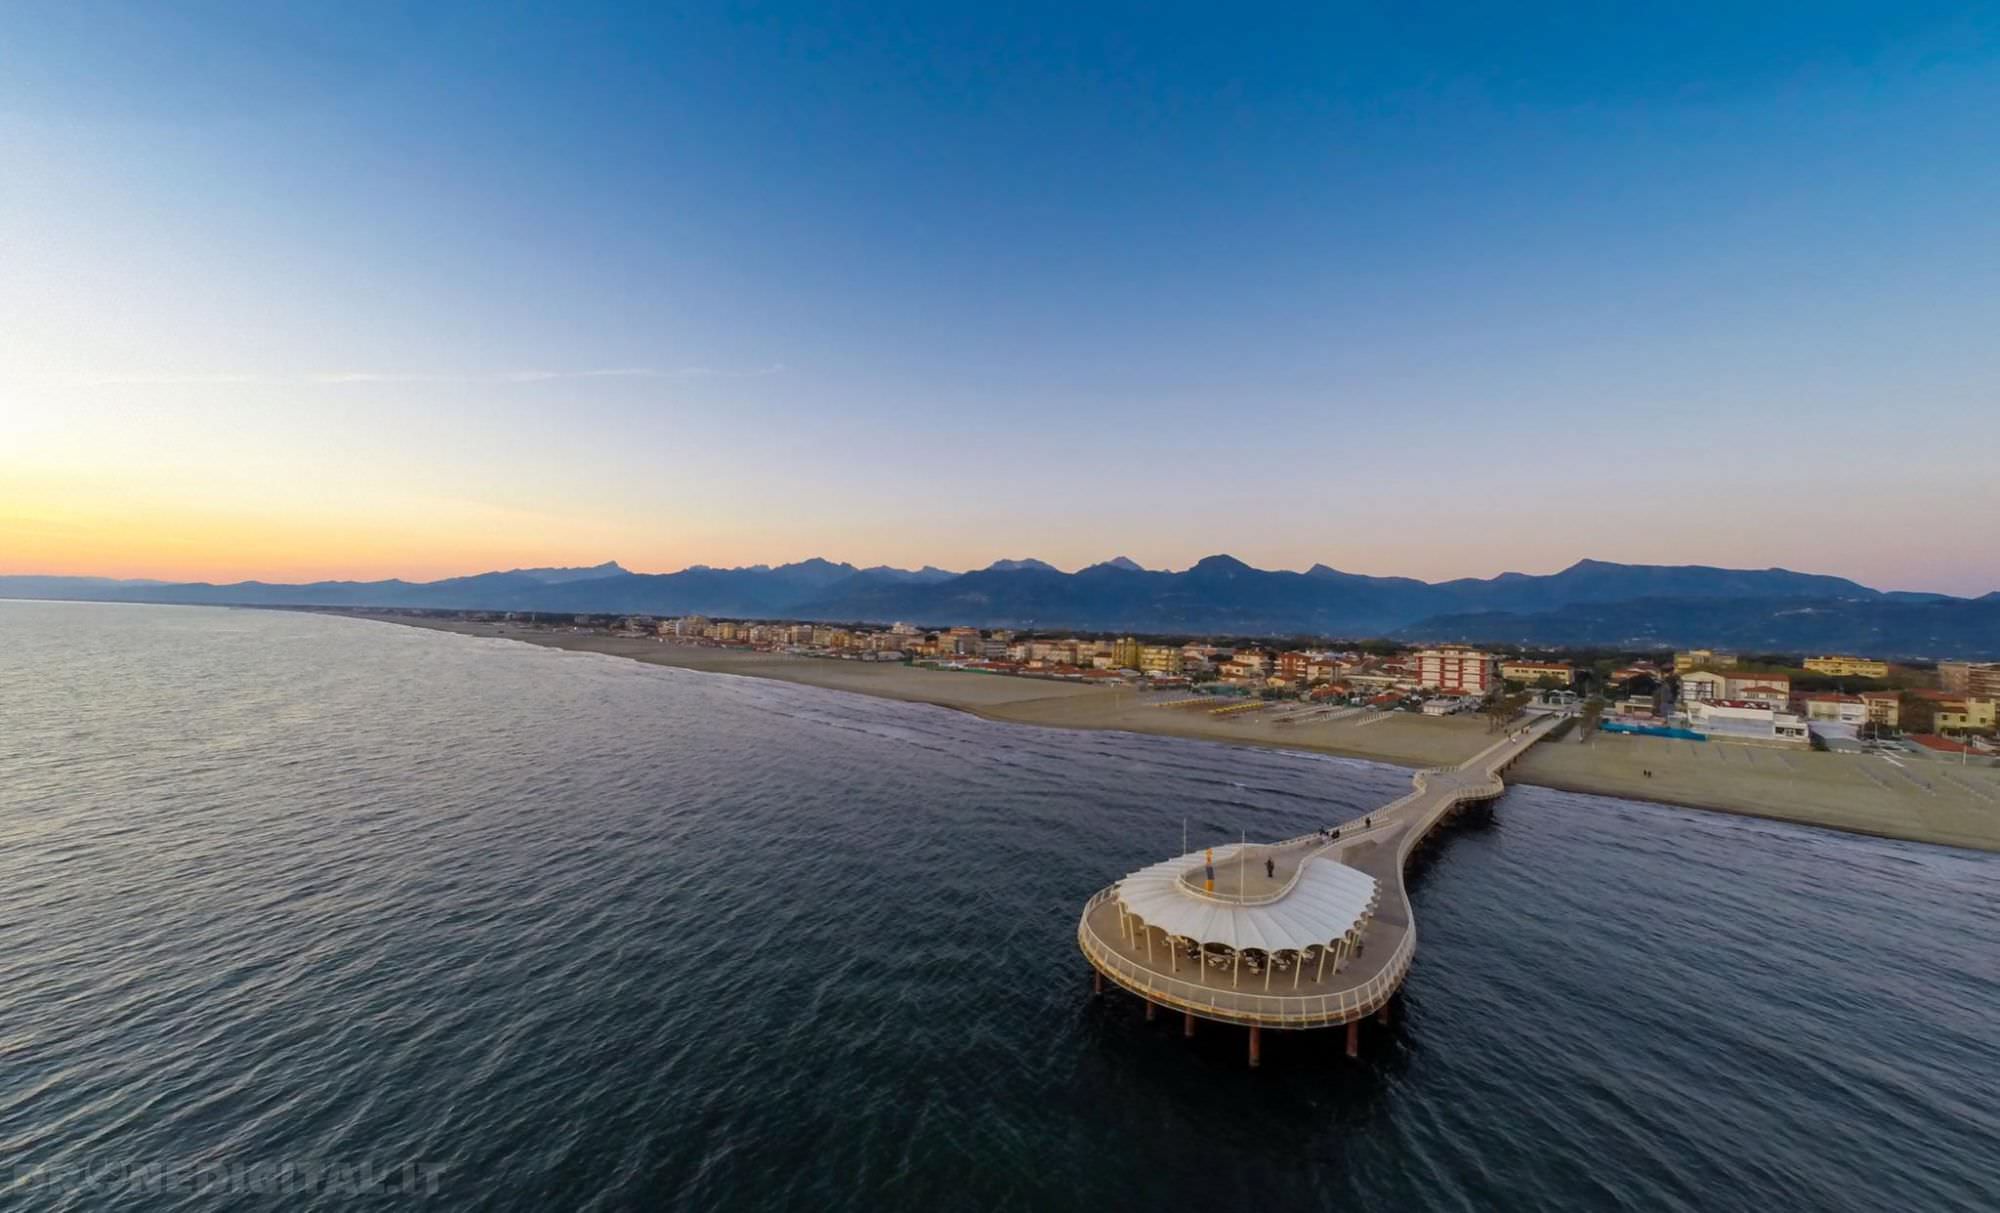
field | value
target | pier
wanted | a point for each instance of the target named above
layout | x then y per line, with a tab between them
1310	932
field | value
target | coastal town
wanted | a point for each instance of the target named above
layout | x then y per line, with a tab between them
1836	702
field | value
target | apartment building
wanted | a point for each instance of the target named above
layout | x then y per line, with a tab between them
1532	672
1695	659
1254	662
1967	715
1455	669
1884	708
1980	678
1848	667
1125	653
1833	708
1711	686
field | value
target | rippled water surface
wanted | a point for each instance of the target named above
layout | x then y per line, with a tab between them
277	888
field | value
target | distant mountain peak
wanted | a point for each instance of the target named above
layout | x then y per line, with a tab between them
1123	563
1019	566
1220	564
929	573
558	576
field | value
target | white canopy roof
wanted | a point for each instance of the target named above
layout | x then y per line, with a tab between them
1326	903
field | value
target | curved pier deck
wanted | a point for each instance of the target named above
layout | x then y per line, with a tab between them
1365	970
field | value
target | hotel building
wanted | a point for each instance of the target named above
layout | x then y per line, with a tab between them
1455	669
1970	678
1708	686
1848	667
1532	672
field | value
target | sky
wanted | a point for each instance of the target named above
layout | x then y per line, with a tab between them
360	290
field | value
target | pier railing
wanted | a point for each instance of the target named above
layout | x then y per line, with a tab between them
1235	1005
1244	1006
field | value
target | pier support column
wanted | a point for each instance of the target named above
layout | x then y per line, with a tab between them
1354	1038
1096	983
1256	1047
1152	1008
1187	1025
1382	1014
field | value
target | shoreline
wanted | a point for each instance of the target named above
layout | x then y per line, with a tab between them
1853	794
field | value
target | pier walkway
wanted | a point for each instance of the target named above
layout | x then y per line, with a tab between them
1351	974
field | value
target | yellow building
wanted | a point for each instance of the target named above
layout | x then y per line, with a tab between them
1848	667
1532	672
1964	715
1697	659
1125	653
1159	659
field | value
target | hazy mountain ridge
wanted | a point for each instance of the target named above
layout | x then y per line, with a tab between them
1591	602
1883	626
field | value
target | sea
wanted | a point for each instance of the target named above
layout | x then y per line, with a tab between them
309	912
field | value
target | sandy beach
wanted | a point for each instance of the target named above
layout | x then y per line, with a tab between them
1917	799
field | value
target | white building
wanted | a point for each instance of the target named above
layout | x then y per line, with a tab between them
1747	720
1839	709
1712	686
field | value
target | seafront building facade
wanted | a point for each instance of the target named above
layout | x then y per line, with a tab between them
1126	654
1724	704
1970	678
1695	659
1848	667
1884	708
1456	670
1833	708
1715	685
1748	720
1533	672
1968	715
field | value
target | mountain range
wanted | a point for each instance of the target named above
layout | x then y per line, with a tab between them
1592	602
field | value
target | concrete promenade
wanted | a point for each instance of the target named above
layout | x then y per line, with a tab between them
1362	979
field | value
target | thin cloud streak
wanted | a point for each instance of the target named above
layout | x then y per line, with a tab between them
339	378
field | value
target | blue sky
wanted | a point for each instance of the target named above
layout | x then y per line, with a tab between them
1420	289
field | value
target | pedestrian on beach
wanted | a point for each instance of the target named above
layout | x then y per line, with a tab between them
1270	870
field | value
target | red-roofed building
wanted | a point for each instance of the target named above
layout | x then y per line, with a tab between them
1943	745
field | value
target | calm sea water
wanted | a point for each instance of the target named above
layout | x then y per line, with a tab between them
573	932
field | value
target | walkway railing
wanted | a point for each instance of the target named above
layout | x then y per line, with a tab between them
1244	1006
1316	1010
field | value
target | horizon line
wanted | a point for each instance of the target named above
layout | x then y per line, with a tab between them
699	566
